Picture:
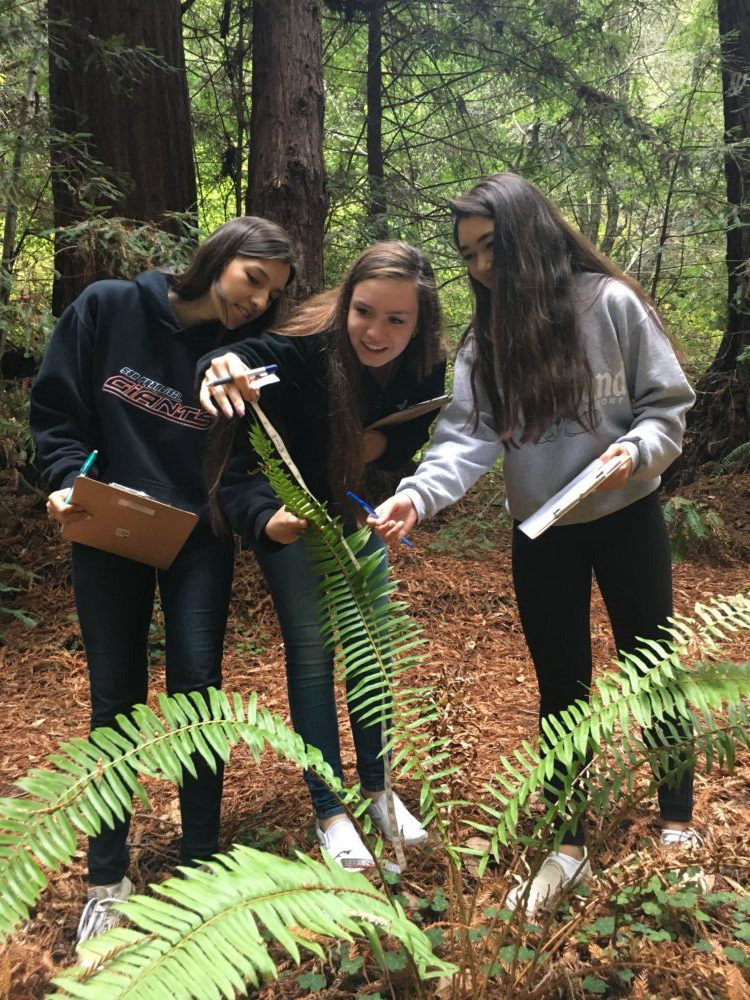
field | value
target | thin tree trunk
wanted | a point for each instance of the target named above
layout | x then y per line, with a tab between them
240	105
9	252
286	175
610	228
378	206
666	215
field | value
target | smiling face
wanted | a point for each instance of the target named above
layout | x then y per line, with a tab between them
246	288
475	234
382	318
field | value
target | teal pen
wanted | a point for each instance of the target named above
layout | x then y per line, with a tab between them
84	469
373	513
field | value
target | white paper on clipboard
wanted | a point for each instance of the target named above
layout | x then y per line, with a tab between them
565	499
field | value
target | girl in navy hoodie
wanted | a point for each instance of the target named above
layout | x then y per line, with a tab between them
118	377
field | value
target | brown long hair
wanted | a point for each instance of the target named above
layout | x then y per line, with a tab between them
327	313
247	236
530	358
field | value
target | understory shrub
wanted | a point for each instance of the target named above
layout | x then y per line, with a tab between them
694	528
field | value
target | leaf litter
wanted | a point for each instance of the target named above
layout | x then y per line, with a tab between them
461	593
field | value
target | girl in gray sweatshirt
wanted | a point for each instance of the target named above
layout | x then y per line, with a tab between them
565	361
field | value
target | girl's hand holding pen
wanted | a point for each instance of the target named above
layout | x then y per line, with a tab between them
396	518
228	399
59	510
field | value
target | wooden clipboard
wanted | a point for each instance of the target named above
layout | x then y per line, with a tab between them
410	412
128	523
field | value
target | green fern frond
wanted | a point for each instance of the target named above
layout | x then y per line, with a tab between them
94	780
376	642
203	936
692	525
738	456
650	686
610	777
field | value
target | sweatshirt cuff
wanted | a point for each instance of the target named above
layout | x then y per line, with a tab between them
633	451
258	536
68	479
416	499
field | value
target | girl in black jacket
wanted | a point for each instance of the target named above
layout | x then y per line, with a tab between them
348	357
118	377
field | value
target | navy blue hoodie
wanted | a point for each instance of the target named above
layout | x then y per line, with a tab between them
298	406
119	376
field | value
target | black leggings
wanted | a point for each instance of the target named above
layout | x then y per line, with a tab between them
628	551
115	598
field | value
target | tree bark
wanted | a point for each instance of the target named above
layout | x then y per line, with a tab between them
378	206
130	117
720	420
286	175
734	26
10	251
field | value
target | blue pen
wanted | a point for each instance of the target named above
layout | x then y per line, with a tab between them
373	513
84	469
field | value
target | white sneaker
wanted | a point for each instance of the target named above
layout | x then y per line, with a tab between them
688	840
344	844
559	872
98	915
412	831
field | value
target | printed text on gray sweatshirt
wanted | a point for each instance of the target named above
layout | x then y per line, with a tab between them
641	397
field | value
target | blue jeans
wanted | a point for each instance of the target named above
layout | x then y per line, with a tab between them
309	671
114	598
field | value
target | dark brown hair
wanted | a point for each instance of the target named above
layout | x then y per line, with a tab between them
247	236
529	356
328	313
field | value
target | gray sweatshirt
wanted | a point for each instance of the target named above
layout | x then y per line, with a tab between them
641	398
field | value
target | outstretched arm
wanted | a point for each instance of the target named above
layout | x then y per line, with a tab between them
396	517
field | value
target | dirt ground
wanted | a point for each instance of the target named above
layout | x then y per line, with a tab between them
457	582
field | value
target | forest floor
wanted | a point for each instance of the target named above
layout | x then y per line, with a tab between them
457	583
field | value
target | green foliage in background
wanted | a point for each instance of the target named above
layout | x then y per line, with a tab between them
694	528
612	106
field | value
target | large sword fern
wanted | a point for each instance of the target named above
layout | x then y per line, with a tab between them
92	782
377	644
202	934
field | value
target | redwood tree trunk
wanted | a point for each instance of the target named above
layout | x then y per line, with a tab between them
720	420
734	26
132	114
286	177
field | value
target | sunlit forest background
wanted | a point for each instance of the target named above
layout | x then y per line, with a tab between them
613	108
129	130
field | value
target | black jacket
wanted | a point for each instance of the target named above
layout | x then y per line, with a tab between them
298	406
119	376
